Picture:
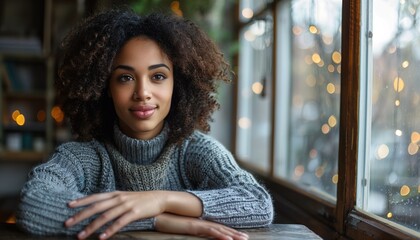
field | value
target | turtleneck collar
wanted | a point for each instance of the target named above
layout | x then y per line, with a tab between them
140	151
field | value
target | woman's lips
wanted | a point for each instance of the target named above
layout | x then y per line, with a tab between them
143	112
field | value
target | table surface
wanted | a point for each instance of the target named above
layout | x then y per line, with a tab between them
275	231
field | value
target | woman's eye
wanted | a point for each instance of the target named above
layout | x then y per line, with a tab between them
125	78
159	77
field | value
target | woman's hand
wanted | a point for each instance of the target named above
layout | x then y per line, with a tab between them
125	207
170	223
120	207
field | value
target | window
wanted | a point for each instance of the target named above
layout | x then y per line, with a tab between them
310	78
254	97
338	136
389	178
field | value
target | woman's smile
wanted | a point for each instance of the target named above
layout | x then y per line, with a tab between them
143	111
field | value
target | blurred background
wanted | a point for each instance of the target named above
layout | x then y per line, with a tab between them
281	115
32	123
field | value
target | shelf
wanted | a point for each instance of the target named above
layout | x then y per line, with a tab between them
29	95
28	127
22	156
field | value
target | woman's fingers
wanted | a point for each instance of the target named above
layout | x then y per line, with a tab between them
186	225
118	224
90	199
223	233
103	219
99	204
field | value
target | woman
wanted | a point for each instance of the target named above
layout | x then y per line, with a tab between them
139	93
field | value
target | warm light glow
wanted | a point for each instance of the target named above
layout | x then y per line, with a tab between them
57	114
175	7
405	64
415	137
397	103
247	13
392	49
389	215
297	30
398	84
15	114
244	123
332	121
313	153
299	170
336	57
41	116
319	172
331	68
11	219
257	88
330	88
20	120
413	148
327	39
316	58
334	179
308	59
321	63
311	80
325	129
313	29
249	36
339	68
382	151
398	133
405	190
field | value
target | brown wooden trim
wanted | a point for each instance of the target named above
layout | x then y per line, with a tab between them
235	67
347	165
273	90
361	226
292	204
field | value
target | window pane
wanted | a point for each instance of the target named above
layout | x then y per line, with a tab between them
248	8
313	113
391	171
254	94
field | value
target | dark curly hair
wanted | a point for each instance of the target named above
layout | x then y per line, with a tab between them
89	50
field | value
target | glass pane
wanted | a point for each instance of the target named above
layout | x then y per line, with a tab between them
314	79
254	93
392	168
248	8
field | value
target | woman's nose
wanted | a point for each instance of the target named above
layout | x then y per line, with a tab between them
141	91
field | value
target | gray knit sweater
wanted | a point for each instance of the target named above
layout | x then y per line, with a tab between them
201	166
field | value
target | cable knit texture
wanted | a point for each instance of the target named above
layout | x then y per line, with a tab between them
201	166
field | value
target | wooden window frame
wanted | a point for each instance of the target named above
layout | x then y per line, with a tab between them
293	204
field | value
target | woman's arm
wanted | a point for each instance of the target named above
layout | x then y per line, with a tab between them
69	174
230	195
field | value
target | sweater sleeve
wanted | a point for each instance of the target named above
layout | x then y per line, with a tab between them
69	174
229	194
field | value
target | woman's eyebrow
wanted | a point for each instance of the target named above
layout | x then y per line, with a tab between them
129	68
158	66
125	67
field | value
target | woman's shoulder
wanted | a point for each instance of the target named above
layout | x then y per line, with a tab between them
202	143
78	148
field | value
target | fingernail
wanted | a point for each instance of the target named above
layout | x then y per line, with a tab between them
103	236
81	234
72	203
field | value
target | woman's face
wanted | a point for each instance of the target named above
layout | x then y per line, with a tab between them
141	87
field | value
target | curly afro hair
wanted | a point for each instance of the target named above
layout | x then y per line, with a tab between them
88	53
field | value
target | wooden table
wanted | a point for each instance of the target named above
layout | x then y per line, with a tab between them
275	231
